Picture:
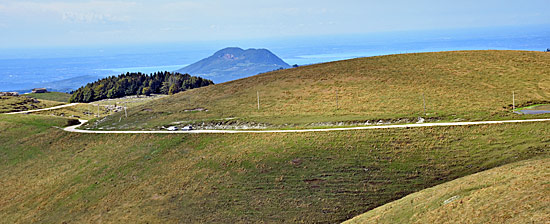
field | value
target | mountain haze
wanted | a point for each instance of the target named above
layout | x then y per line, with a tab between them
234	63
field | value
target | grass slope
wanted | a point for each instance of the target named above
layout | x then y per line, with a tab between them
89	111
81	111
51	176
515	193
21	103
51	96
462	85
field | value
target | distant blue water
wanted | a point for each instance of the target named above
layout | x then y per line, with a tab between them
69	68
146	69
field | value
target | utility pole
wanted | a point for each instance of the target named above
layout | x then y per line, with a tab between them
125	113
513	100
98	110
424	103
258	94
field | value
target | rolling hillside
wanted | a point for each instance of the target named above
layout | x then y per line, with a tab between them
52	96
51	176
462	85
515	193
22	103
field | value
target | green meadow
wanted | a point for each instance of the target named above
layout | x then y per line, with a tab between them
51	96
480	173
53	176
453	86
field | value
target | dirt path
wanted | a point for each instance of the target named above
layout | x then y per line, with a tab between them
73	128
45	109
443	124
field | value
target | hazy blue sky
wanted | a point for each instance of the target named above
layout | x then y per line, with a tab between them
81	22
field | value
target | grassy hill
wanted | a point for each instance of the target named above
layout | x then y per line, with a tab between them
515	193
21	103
51	176
106	107
462	85
51	96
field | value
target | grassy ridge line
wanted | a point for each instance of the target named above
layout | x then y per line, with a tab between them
54	176
461	85
514	193
51	96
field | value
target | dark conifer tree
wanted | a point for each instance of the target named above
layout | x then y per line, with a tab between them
137	83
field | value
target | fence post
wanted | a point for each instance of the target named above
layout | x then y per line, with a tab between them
513	100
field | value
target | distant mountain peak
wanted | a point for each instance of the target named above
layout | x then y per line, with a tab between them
233	63
228	51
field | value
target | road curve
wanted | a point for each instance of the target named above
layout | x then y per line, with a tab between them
45	109
75	130
443	124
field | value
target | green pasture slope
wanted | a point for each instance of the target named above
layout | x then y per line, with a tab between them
51	96
21	103
455	86
514	193
52	176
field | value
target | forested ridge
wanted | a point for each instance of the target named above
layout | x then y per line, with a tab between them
137	84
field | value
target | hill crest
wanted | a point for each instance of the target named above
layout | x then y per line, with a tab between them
455	86
233	63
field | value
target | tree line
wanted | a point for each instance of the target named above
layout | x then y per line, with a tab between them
137	84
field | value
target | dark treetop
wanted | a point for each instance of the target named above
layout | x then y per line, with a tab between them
137	83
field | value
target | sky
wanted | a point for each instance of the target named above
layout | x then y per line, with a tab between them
45	23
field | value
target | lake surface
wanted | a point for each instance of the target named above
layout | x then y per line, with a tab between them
69	68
